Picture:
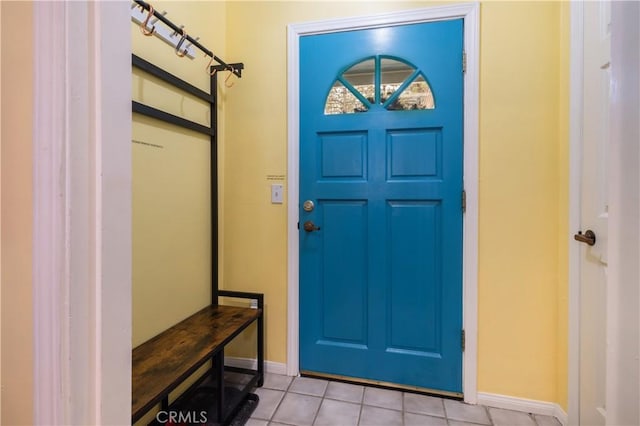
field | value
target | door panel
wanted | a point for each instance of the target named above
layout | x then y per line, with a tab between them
414	154
414	239
381	159
344	271
343	155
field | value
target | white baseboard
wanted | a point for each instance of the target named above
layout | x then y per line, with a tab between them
269	366
524	405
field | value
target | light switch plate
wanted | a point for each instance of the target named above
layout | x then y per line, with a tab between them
276	193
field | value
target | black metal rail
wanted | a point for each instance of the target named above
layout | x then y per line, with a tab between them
167	77
170	118
213	83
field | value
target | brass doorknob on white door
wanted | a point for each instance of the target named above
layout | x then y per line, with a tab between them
589	237
309	226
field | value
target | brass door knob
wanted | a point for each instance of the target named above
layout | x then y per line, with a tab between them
309	226
589	237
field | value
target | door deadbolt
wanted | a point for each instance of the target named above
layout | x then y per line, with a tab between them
308	206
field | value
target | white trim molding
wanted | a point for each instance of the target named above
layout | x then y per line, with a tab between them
575	176
50	275
524	405
470	12
270	367
82	213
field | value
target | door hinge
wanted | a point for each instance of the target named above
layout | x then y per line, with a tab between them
298	225
464	201
464	61
462	340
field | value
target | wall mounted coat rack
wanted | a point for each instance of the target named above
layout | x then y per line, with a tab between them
174	35
138	15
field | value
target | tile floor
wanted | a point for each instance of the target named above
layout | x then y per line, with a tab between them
303	401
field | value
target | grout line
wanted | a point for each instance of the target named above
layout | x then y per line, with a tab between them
277	407
361	408
317	411
361	403
324	393
533	417
289	385
489	416
444	410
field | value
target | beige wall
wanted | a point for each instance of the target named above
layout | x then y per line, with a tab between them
16	211
523	181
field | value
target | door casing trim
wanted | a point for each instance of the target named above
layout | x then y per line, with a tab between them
81	213
575	175
470	13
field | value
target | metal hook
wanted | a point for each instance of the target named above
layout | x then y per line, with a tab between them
143	27
184	37
229	76
211	73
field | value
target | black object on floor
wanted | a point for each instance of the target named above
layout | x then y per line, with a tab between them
246	409
199	409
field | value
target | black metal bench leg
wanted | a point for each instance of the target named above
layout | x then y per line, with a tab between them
164	405
261	342
218	367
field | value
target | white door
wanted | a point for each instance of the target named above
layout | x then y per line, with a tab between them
594	212
623	291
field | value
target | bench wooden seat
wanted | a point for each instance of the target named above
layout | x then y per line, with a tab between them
162	363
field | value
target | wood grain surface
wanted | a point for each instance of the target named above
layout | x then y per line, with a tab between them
162	363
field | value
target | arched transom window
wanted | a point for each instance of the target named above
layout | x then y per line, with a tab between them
390	82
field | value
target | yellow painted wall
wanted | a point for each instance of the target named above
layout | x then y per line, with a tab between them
171	202
16	213
519	190
523	181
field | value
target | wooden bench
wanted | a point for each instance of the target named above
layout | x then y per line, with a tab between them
161	364
164	362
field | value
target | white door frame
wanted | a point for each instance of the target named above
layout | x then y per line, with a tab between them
575	200
470	12
82	213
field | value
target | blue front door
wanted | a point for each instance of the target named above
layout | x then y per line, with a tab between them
381	159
